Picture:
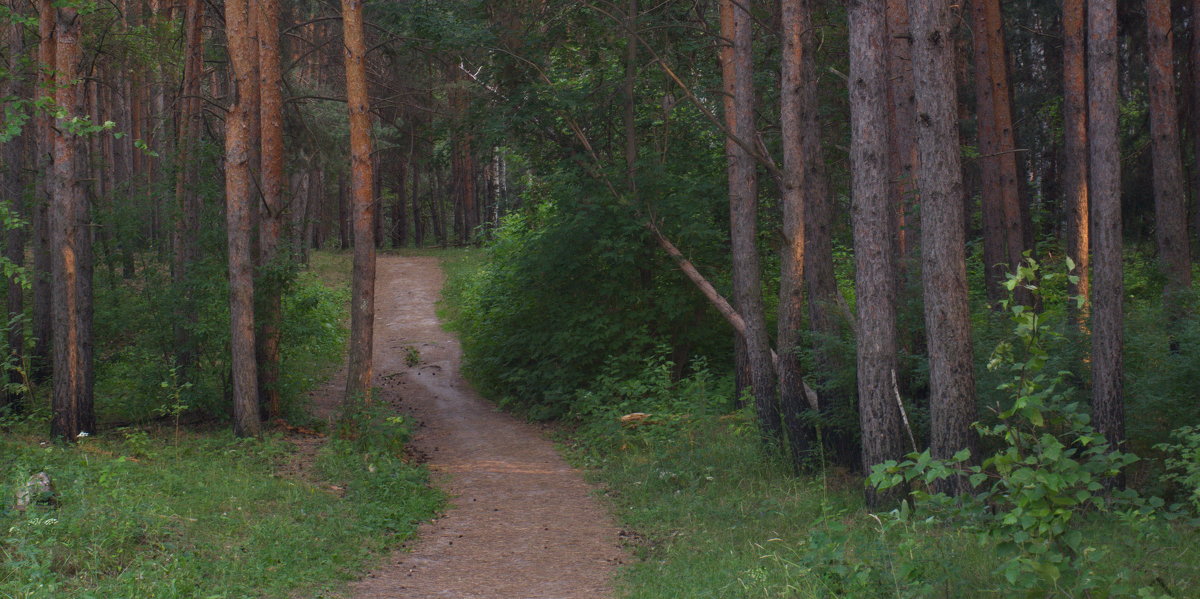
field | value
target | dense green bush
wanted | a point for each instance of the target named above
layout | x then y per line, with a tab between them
572	288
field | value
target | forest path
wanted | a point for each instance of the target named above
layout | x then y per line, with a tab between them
521	523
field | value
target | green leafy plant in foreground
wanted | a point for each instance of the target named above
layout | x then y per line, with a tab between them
1048	467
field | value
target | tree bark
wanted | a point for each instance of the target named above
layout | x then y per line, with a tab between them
1104	177
902	139
362	309
795	24
1170	192
1003	228
737	73
270	229
1075	159
943	255
71	238
239	200
1194	55
874	259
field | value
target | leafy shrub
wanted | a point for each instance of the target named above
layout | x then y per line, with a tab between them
1048	468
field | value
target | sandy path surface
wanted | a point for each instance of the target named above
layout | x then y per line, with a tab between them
521	522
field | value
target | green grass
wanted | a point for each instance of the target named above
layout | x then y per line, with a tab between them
214	516
709	513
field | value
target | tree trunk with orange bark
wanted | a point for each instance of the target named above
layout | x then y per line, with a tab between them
1003	227
70	232
362	307
794	27
1075	152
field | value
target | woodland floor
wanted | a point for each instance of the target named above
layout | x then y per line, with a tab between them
521	523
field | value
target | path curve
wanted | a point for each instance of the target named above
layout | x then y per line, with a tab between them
521	523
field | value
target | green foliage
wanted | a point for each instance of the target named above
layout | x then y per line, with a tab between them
648	408
571	288
1183	462
1048	467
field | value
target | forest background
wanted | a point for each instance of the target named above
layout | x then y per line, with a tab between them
957	245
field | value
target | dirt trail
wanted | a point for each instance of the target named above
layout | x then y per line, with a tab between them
521	523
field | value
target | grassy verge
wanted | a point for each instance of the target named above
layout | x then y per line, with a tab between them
709	515
151	511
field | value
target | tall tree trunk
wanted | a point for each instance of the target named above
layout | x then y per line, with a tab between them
795	23
270	230
71	239
187	226
943	243
1170	192
1194	56
43	330
362	310
239	207
1104	177
1004	237
737	70
629	98
874	260
1075	152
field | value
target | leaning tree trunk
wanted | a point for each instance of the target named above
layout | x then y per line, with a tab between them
239	206
1170	192
1104	176
874	260
943	244
1075	152
738	75
362	309
72	242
